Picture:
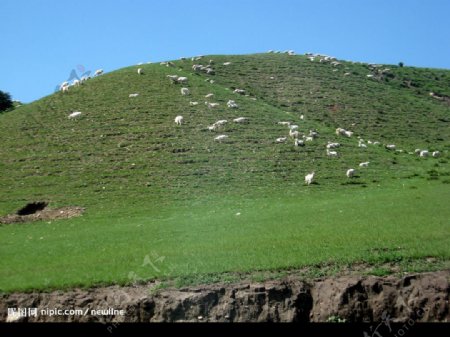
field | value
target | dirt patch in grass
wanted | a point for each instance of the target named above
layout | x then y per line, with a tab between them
38	211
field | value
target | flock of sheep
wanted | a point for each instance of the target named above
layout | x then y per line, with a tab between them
208	69
299	138
64	87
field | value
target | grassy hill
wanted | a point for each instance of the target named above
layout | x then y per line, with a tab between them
162	200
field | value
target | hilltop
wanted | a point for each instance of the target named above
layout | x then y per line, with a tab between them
155	190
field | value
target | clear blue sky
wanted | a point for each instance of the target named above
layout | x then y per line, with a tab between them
43	40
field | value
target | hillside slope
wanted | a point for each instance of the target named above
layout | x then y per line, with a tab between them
132	145
129	165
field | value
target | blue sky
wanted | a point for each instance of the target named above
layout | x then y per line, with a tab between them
43	40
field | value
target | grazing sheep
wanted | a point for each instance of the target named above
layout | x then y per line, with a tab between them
294	133
299	142
178	120
390	147
343	132
424	153
98	72
227	63
221	137
309	178
133	95
436	154
76	82
74	114
240	120
284	123
173	78
333	145
140	71
417	151
212	105
365	164
182	80
209	95
313	134
308	139
239	91
184	91
302	117
350	173
281	140
293	127
193	103
332	153
221	122
65	88
361	144
232	104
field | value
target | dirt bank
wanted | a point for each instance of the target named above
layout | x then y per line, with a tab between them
421	297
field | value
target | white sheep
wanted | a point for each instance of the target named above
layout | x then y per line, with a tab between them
240	120
227	63
65	88
284	123
178	120
221	122
390	146
133	95
348	133
365	164
332	153
299	142
424	153
193	103
212	105
239	91
417	151
140	71
182	80
309	178
308	139
281	139
185	91
76	82
221	137
313	134
331	145
74	114
294	133
350	173
98	72
209	95
293	127
232	104
436	154
173	78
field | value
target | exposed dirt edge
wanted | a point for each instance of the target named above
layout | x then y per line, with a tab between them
419	297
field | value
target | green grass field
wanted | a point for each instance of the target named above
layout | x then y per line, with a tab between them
162	201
